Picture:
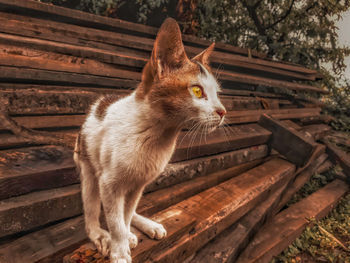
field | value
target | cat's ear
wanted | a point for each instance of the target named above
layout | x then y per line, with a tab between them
203	57
168	52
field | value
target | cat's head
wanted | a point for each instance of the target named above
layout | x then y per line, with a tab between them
180	89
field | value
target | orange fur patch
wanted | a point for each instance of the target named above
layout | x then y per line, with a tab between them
103	105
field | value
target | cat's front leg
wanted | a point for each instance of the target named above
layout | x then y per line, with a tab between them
131	202
149	227
113	198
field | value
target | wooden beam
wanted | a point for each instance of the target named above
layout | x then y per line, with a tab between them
82	36
316	131
288	142
29	169
21	213
116	25
213	210
227	245
70	233
338	156
285	227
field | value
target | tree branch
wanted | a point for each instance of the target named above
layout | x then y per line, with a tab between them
34	137
286	14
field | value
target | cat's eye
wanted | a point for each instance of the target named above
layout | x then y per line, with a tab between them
197	91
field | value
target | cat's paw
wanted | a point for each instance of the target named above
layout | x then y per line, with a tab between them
155	230
102	240
132	240
120	252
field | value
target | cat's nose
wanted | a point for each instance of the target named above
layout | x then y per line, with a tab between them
221	112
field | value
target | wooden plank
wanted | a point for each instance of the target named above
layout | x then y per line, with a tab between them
21	213
217	208
238	116
285	227
165	197
48	121
324	167
47	245
175	173
30	169
88	37
291	124
219	141
338	156
227	245
37	168
50	77
255	80
116	25
235	117
102	55
70	233
288	142
303	176
316	131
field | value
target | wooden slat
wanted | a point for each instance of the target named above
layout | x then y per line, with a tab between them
175	173
116	25
47	245
285	227
235	117
227	246
220	141
163	198
317	131
30	169
50	77
215	209
339	156
288	142
29	211
35	168
70	234
88	37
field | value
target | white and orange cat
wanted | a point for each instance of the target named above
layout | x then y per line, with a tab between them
125	144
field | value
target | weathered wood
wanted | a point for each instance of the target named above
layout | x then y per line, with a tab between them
288	142
219	141
238	116
217	208
48	121
47	245
175	173
88	53
317	131
50	77
165	197
37	168
72	34
324	167
29	211
227	245
116	25
339	156
70	234
30	169
303	176
235	117
285	227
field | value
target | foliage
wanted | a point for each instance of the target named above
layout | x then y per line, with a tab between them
315	245
319	246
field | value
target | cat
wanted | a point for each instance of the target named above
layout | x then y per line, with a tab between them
125	144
